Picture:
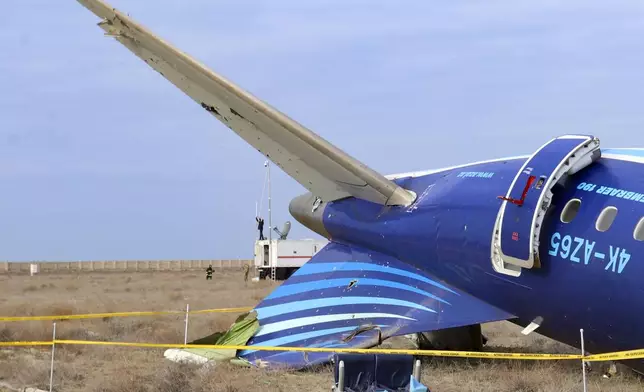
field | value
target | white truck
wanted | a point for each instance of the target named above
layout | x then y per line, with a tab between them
285	255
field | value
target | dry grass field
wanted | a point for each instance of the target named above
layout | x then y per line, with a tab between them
121	369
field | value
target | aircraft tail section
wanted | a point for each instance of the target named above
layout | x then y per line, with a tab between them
319	166
350	297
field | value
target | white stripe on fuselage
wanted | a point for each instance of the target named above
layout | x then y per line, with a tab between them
624	157
621	157
432	171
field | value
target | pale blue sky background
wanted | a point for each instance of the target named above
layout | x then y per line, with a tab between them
101	158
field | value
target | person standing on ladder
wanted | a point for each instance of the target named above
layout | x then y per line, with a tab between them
209	272
260	227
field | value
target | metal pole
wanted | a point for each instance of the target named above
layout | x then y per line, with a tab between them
341	376
185	333
270	223
51	370
583	362
417	370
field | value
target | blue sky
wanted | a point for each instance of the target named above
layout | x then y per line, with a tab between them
101	158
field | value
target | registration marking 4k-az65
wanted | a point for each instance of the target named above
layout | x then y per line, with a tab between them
581	250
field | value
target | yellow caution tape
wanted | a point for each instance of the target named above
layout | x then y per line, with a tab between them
85	316
616	356
10	344
122	314
222	310
436	353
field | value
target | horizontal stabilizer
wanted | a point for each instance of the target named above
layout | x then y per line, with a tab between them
347	297
319	166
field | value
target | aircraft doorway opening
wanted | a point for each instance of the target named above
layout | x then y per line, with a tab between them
266	257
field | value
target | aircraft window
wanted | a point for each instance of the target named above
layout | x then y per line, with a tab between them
570	210
606	218
638	234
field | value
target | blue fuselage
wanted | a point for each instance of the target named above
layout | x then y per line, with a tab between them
587	279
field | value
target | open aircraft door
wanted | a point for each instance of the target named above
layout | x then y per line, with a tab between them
515	240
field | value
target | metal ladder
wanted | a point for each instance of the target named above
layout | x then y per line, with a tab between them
270	255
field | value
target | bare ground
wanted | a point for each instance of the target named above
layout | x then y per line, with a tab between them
120	369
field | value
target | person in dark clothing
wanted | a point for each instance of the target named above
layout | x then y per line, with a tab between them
260	227
246	271
209	272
